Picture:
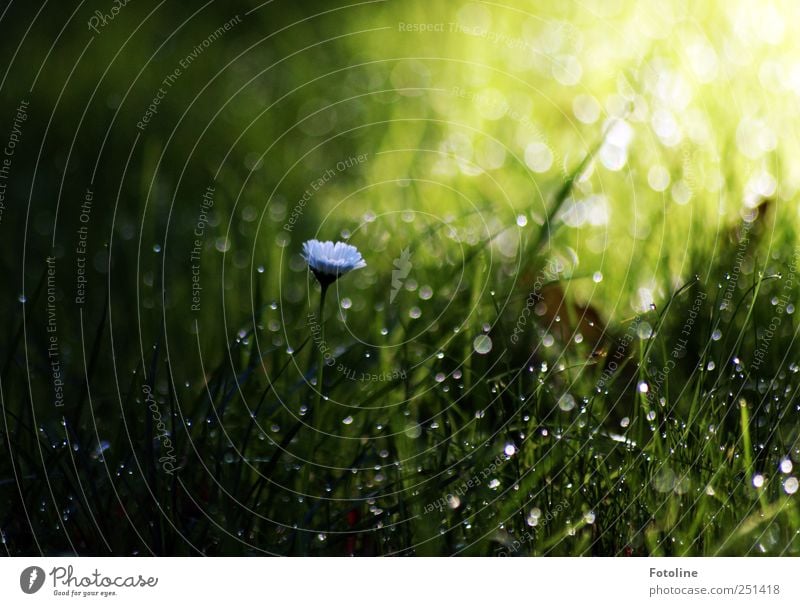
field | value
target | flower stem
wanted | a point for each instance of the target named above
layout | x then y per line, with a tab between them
321	346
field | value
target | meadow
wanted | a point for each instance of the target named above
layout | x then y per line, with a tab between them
574	335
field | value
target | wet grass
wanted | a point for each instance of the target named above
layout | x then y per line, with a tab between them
665	437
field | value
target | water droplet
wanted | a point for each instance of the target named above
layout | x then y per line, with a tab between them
101	447
664	480
413	430
643	387
786	466
156	248
482	344
522	220
346	303
510	450
790	485
716	335
347	420
597	277
566	402
758	480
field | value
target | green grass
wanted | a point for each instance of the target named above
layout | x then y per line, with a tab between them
267	468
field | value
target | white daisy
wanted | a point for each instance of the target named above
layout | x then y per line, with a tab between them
328	261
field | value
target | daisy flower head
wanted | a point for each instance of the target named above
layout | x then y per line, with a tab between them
329	261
